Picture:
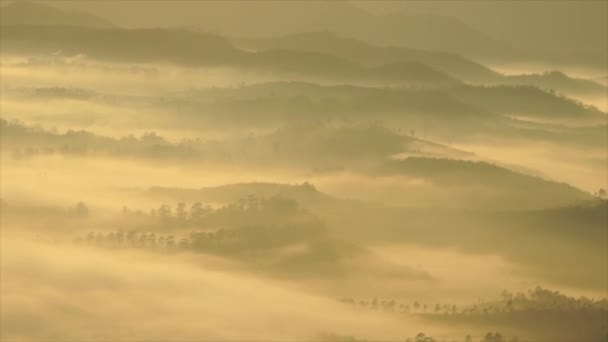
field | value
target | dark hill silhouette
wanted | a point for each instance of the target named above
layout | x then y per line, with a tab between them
479	102
482	182
201	49
525	24
259	19
29	13
359	51
449	63
560	82
137	45
527	101
412	71
589	214
475	30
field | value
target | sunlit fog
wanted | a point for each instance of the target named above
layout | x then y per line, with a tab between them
326	171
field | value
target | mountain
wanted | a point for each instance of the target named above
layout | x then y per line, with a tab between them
368	54
272	18
506	33
485	184
560	82
461	102
29	13
449	63
432	32
136	45
522	24
471	184
528	101
203	49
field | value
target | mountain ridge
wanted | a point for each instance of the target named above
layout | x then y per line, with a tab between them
26	12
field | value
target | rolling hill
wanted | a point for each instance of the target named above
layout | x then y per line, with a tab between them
29	13
205	50
368	54
449	63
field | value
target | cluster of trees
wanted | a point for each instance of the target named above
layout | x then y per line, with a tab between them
251	227
601	194
538	299
30	141
181	213
292	143
251	210
539	312
422	337
79	210
488	337
257	230
246	226
392	305
133	239
234	241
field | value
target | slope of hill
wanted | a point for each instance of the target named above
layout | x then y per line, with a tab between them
460	102
521	23
359	51
560	82
489	35
138	45
449	63
473	185
29	13
200	49
528	101
603	80
485	184
255	19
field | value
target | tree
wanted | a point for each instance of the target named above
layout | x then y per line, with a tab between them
197	211
99	240
80	210
184	244
416	305
170	242
496	337
164	211
120	238
131	235
90	238
151	240
421	337
180	211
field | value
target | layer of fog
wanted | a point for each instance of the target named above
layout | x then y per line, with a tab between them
587	170
456	274
596	75
73	294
